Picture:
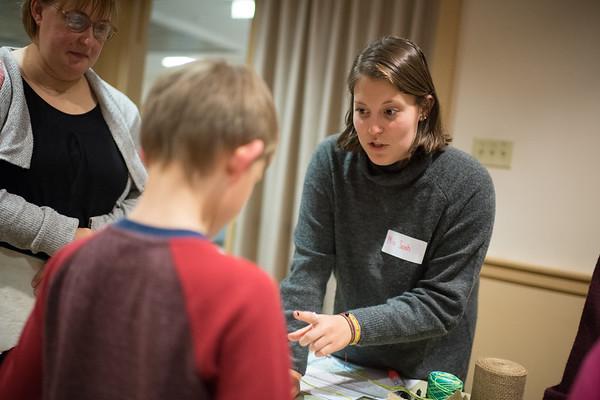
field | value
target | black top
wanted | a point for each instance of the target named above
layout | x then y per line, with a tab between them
76	167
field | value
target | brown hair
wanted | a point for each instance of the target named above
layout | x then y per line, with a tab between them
106	9
198	111
401	63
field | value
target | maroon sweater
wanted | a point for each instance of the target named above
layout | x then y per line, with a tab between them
587	334
143	313
587	385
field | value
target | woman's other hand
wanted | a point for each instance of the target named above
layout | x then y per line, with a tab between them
35	282
324	335
81	233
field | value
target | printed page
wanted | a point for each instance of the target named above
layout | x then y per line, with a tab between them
331	378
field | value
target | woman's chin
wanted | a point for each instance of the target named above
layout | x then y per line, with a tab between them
379	159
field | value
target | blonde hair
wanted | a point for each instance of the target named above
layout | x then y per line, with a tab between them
196	112
106	9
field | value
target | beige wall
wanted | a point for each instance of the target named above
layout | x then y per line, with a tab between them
527	71
122	60
534	327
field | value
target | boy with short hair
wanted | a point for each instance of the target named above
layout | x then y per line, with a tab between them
149	308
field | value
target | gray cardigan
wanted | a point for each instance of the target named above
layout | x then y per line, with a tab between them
42	229
416	316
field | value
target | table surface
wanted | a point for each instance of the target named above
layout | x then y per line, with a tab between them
330	378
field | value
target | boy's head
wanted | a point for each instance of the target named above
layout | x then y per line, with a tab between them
216	124
198	112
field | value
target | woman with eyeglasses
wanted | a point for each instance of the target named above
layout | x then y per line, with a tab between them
68	158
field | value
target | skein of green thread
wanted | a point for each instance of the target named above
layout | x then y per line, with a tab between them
441	385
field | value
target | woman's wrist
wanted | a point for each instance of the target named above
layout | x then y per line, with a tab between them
355	329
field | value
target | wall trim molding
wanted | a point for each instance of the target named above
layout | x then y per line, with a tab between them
575	283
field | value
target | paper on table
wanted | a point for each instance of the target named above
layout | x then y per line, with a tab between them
332	379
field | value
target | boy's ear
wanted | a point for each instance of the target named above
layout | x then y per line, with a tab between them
243	157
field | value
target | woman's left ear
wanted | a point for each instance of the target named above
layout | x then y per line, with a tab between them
426	106
36	11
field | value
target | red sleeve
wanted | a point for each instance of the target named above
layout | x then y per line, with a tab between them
237	326
21	373
259	366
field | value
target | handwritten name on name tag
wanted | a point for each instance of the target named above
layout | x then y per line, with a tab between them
404	247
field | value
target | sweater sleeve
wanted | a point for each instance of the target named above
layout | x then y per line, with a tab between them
27	226
314	255
122	208
586	382
256	357
236	324
588	334
438	301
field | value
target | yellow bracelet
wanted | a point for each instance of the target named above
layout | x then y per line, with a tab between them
357	330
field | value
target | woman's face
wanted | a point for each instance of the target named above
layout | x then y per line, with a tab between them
385	119
67	53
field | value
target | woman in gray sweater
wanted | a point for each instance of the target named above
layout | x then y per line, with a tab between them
401	219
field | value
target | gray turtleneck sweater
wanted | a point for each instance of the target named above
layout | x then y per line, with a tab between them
406	244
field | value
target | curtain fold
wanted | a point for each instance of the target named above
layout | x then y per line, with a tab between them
304	50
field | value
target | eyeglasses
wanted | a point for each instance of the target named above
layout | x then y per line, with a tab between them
78	21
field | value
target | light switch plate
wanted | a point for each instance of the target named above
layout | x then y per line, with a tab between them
492	152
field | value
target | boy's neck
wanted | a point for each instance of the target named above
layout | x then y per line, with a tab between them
169	201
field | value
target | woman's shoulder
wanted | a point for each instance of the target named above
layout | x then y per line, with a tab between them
328	152
453	167
7	65
328	144
329	147
10	87
454	160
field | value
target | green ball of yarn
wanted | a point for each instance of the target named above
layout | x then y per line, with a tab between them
441	385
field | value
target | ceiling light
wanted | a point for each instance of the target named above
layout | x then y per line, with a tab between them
168	62
242	9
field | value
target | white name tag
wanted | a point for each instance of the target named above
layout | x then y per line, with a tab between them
404	247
